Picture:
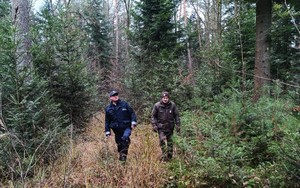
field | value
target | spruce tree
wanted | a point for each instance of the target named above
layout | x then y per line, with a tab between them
60	57
156	50
155	27
31	123
97	29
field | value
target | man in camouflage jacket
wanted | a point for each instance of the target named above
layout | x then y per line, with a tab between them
164	119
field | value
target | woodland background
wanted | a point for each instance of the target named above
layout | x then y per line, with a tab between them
231	66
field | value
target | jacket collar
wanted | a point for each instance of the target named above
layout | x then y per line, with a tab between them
165	104
117	103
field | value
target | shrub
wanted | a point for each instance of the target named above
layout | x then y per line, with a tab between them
238	143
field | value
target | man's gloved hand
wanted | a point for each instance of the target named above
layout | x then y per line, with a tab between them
155	128
107	134
177	129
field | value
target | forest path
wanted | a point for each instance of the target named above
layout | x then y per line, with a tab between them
93	161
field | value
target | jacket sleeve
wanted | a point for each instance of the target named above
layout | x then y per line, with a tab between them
176	116
154	116
132	115
107	122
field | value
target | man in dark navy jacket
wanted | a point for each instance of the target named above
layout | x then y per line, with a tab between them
120	118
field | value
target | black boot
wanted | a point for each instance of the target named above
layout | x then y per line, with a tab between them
122	157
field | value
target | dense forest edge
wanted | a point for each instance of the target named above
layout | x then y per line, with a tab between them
232	68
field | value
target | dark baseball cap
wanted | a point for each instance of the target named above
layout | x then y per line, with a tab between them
113	93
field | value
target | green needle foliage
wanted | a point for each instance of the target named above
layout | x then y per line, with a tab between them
156	52
60	58
235	144
31	121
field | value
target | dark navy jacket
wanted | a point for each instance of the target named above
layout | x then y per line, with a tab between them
119	116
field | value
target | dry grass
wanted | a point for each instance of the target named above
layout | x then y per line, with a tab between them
93	161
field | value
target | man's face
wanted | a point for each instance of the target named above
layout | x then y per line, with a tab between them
165	99
114	98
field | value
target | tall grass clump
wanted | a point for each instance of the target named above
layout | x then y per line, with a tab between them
92	161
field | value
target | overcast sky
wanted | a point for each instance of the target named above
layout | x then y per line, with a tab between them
37	4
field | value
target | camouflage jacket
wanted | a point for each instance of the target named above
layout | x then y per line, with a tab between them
165	116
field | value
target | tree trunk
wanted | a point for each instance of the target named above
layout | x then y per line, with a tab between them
219	5
128	15
207	24
199	22
116	22
217	30
190	62
262	47
21	19
127	8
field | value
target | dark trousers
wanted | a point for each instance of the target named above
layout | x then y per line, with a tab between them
166	144
122	139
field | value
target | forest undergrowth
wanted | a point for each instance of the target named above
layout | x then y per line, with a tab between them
92	161
231	144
